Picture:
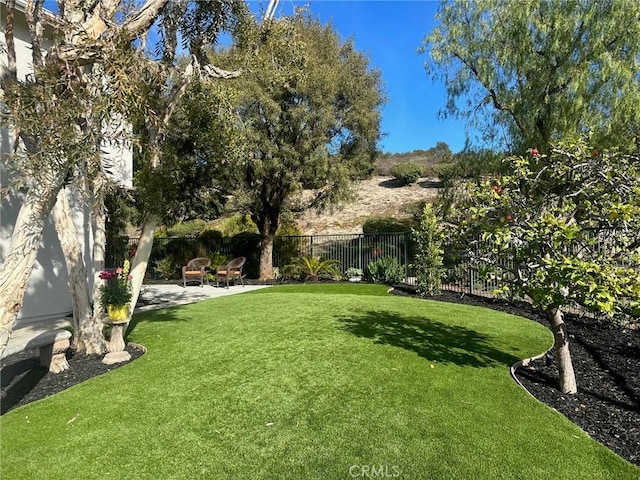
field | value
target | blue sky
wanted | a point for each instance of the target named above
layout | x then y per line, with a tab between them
390	33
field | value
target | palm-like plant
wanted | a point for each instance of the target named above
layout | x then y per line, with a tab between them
311	268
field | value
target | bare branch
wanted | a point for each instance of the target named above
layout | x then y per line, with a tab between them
144	18
33	13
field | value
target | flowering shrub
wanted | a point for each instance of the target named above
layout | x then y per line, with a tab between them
117	287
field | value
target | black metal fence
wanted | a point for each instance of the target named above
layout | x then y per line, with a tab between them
356	250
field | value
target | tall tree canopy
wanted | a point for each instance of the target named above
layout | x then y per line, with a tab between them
531	73
309	109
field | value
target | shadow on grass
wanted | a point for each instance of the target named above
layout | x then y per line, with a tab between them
430	339
167	314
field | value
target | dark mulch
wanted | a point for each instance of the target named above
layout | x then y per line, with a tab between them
24	380
606	359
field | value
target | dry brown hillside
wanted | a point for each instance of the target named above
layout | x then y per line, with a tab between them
379	196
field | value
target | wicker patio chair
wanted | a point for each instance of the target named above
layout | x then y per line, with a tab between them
231	271
196	270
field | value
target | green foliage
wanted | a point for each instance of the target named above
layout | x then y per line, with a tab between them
385	270
537	72
408	173
236	224
288	244
427	158
166	268
309	105
428	237
313	268
354	272
374	225
562	229
191	229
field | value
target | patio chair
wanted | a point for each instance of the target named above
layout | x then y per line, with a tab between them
196	270
231	271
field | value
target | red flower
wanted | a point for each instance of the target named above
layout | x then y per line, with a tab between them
508	217
534	152
595	153
497	189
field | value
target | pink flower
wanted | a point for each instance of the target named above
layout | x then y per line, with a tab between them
508	217
595	153
129	277
534	152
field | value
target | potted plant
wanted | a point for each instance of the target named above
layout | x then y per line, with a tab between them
354	274
115	293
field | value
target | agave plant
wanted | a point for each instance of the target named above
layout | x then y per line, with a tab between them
311	268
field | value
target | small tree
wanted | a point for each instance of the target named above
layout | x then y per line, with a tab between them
428	236
563	229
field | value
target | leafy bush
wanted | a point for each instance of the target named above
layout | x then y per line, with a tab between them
429	254
166	268
375	225
385	270
354	272
408	173
192	228
312	268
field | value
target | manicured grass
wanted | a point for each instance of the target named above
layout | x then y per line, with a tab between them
310	382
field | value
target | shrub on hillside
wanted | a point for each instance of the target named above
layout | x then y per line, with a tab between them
408	173
376	225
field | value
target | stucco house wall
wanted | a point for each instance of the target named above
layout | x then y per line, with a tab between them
47	294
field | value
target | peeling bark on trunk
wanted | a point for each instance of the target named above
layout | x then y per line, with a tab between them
268	226
25	242
266	257
98	224
87	338
561	346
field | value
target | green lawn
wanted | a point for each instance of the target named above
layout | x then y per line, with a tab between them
310	382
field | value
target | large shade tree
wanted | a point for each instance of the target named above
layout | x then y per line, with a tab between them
96	73
539	71
309	111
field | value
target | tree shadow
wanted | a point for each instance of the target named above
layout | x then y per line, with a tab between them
430	183
430	339
18	379
392	183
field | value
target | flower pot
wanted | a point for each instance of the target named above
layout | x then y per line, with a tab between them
118	313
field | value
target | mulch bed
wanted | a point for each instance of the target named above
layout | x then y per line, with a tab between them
24	380
606	360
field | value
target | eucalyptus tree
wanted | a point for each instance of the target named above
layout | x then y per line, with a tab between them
309	113
95	78
532	73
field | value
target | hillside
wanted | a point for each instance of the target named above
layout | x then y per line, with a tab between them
379	196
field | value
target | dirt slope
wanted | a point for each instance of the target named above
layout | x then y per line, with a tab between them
379	196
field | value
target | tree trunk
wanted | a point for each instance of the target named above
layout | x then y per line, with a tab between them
561	346
141	259
268	226
87	338
266	256
23	250
98	225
